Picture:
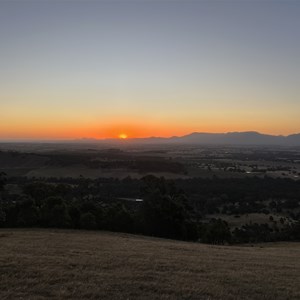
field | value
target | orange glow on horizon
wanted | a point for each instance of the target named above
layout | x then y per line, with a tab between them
126	128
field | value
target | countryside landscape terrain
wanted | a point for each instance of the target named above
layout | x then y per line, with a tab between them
149	150
205	221
215	194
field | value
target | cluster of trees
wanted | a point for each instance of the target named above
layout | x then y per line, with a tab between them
255	233
166	210
243	195
2	182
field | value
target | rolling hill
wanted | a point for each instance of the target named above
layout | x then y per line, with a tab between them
230	138
66	264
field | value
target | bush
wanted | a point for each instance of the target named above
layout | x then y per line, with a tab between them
2	216
217	232
88	221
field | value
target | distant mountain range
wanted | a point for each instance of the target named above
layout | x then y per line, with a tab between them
195	138
230	138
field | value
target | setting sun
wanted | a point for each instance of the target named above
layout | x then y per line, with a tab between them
123	136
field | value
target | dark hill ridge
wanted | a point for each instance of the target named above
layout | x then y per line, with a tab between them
247	138
230	138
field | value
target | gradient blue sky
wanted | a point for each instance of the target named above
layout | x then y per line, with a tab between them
100	68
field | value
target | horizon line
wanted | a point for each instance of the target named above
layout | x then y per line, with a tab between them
68	139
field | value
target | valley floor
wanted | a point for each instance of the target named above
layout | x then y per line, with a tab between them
66	264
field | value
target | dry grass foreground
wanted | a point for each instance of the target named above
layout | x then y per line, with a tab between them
57	264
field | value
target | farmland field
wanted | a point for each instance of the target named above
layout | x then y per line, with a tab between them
67	264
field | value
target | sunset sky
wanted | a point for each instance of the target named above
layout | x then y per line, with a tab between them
72	69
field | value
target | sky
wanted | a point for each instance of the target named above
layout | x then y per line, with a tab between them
98	69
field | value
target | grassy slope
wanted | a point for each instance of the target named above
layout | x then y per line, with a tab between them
42	264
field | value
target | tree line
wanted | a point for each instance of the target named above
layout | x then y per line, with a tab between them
170	209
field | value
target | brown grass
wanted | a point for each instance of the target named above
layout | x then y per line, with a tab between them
56	264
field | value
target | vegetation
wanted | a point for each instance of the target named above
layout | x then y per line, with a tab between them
190	209
61	264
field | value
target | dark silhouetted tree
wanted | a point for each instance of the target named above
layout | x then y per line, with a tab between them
88	221
54	213
28	213
2	183
217	232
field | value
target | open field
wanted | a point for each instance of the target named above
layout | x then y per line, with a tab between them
61	264
123	160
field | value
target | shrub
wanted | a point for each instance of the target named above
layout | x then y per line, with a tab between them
88	221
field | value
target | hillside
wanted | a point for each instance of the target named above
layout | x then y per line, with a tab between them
245	138
60	264
231	138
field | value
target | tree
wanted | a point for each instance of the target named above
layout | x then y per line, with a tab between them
60	217
74	213
28	213
165	211
217	232
54	213
118	218
88	221
2	216
39	191
295	231
2	180
2	183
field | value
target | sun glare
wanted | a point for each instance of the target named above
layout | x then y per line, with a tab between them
123	136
